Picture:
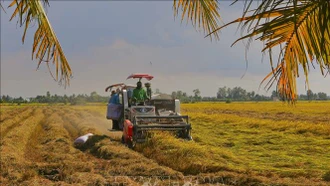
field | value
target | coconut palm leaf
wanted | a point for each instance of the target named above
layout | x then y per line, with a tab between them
2	7
46	47
201	13
302	27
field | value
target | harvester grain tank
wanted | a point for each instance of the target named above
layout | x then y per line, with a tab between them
136	119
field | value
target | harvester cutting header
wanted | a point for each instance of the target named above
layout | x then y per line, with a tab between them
135	111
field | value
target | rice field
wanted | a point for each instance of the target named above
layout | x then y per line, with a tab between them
248	143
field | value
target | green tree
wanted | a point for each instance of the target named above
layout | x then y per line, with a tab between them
322	96
94	97
229	93
179	94
182	96
4	99
253	94
174	95
65	99
310	94
238	93
48	94
197	94
274	94
222	93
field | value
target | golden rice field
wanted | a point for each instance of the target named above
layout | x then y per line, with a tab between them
265	143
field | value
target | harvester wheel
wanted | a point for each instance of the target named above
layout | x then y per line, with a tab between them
184	134
122	139
130	144
189	138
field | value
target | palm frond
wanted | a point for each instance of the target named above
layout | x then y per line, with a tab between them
2	7
201	13
46	47
302	27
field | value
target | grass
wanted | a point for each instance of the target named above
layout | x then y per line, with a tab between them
237	138
267	145
235	144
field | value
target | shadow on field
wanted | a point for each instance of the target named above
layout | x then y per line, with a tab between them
104	147
90	143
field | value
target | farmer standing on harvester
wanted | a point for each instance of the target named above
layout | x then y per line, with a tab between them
139	94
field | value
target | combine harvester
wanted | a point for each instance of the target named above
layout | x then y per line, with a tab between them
136	119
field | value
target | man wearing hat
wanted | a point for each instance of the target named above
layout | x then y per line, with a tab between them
149	91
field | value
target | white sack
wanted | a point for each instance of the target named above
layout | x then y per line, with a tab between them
82	139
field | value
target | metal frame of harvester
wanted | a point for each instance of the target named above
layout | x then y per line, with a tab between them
138	119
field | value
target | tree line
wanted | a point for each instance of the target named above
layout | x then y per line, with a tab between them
225	94
228	94
49	98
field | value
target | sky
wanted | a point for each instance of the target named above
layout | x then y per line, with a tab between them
106	41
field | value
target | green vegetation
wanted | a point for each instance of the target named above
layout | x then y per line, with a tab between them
224	94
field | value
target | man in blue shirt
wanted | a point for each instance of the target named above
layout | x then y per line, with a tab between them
115	97
111	96
115	101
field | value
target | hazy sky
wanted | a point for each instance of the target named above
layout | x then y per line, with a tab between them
107	41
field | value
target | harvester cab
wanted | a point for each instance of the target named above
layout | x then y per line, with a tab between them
159	112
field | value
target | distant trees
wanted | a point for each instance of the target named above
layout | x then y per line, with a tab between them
49	98
314	96
274	94
224	94
8	99
197	94
310	94
182	96
322	96
237	93
94	97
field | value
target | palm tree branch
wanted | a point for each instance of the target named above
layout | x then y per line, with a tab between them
2	7
303	27
301	47
46	47
201	13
